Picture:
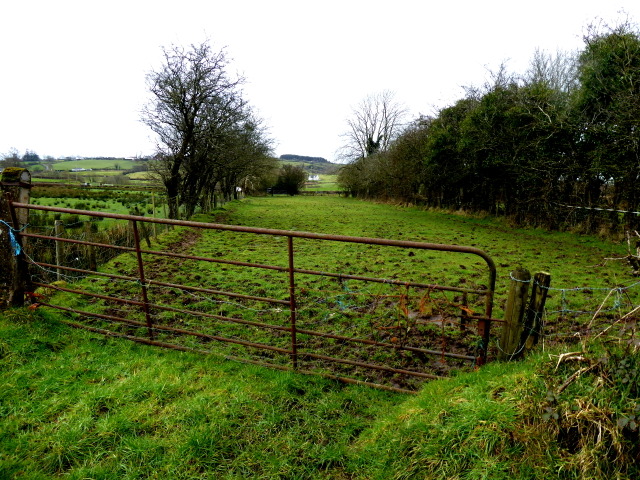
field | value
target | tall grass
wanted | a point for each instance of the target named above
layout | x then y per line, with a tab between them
75	405
81	406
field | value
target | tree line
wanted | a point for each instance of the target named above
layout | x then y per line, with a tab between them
533	146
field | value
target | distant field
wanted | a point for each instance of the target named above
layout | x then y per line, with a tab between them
111	200
94	171
47	180
326	183
143	176
95	164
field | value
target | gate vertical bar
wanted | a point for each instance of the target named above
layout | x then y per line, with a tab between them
292	305
484	326
143	282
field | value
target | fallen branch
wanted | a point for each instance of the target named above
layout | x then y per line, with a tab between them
574	376
569	356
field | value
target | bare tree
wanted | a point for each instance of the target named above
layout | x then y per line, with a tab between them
376	121
558	72
195	105
12	159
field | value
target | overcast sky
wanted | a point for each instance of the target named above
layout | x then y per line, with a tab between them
72	79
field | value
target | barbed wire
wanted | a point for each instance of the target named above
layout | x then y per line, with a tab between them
595	208
56	273
617	303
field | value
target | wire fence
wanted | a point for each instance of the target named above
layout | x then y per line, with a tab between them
578	313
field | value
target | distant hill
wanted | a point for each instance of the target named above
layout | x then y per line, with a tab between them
302	158
310	164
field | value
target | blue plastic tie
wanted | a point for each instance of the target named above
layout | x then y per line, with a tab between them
17	249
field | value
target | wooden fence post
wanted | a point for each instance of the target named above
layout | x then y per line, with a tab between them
15	185
533	321
514	315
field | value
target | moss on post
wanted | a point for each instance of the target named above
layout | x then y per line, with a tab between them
15	175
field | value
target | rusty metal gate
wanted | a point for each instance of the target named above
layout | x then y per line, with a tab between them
359	324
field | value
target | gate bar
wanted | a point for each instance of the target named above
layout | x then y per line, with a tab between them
292	306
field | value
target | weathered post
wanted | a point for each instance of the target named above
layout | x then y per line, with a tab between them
533	321
15	185
514	315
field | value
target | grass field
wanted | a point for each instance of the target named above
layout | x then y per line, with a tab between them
76	405
111	200
94	171
327	183
574	261
95	164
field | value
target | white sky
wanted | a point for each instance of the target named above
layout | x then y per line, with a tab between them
73	72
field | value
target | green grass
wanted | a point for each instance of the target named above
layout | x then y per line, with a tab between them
77	405
327	183
81	406
47	180
573	260
95	164
149	176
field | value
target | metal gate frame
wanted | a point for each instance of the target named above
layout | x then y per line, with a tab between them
483	321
